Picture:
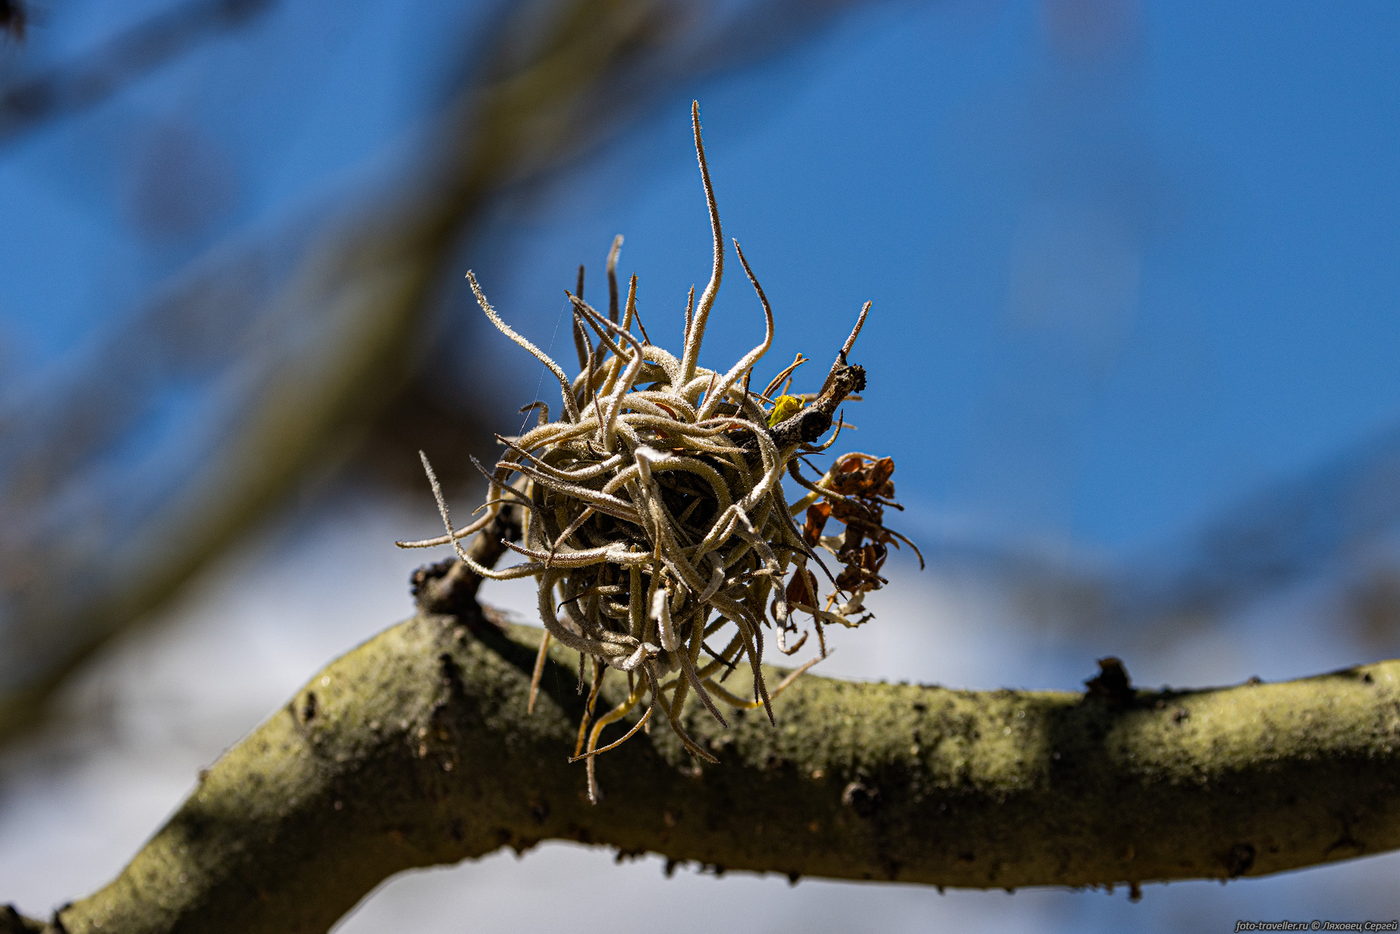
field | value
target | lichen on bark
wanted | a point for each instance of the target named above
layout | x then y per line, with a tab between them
417	750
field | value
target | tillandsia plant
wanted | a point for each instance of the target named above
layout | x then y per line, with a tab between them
653	516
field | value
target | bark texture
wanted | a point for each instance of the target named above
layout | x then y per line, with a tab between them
415	749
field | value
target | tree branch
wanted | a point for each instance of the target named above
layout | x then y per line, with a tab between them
414	749
92	78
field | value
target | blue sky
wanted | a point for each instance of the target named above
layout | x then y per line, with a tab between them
1110	296
1119	281
1130	263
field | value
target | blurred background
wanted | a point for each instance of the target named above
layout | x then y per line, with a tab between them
1136	312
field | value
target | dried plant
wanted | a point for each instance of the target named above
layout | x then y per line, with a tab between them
653	511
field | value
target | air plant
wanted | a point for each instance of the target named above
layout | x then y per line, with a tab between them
653	515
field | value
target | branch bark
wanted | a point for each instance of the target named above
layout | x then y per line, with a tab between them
414	749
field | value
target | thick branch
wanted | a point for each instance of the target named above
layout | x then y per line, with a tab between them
415	749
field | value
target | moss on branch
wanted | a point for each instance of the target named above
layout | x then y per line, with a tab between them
415	749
